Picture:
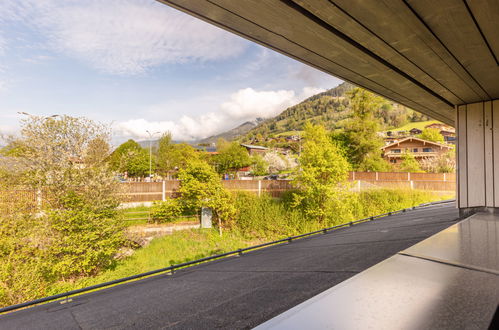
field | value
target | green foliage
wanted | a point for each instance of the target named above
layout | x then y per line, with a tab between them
166	211
258	219
130	157
231	157
431	134
76	231
409	163
200	186
24	265
259	166
267	218
378	201
86	237
323	168
359	138
172	157
179	247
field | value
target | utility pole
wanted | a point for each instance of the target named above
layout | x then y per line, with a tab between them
150	151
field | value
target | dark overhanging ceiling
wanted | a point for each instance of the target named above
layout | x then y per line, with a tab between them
425	54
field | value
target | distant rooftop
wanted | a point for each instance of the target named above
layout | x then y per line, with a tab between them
249	146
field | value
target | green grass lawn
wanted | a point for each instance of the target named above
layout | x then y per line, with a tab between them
420	125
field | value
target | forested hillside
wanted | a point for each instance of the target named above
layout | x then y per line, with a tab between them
330	109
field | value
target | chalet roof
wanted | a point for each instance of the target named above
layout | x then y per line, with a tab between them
411	138
249	146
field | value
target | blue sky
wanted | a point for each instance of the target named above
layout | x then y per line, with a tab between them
138	65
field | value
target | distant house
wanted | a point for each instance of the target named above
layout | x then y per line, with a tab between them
255	150
415	131
420	148
449	135
440	127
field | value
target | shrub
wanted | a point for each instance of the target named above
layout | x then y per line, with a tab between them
166	211
85	238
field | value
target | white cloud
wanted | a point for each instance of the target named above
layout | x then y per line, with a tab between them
123	36
243	105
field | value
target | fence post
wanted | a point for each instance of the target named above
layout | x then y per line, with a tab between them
409	178
163	191
445	178
377	178
259	187
412	185
358	185
353	175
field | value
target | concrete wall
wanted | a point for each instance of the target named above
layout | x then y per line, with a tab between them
478	154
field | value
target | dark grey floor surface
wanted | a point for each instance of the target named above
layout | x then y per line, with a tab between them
240	292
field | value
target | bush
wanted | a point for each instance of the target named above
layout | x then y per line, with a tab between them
378	201
166	211
267	218
86	238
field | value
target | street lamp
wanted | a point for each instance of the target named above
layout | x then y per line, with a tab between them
150	151
30	115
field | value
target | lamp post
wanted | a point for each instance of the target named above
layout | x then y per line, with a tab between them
30	115
150	151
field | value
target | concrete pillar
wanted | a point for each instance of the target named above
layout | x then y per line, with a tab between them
478	155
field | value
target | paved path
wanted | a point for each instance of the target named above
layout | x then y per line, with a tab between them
240	292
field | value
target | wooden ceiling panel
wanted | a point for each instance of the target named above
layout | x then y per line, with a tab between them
453	24
428	55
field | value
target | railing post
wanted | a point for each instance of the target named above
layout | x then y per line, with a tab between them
412	185
377	177
409	177
163	191
259	187
445	177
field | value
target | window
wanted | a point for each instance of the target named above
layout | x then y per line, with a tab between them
396	151
427	150
393	160
415	150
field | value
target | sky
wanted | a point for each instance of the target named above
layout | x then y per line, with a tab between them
140	65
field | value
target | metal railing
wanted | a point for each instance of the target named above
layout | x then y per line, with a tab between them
172	268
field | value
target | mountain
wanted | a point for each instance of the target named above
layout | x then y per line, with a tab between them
233	133
330	109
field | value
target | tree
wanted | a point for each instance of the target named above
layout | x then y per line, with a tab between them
444	163
130	157
200	186
323	168
76	230
172	157
409	163
359	139
259	166
431	134
232	157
